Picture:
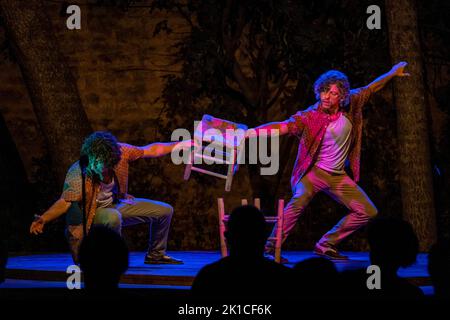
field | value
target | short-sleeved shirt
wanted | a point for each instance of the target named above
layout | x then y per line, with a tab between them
72	191
310	125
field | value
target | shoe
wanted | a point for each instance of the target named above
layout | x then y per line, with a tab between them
162	260
329	252
271	256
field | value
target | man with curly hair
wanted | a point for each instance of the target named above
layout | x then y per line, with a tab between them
106	199
330	135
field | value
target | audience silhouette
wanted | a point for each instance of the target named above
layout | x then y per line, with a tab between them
103	258
393	244
316	278
245	272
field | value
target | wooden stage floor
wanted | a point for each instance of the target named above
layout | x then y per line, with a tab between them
49	270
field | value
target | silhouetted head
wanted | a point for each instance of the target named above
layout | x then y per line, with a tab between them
316	267
439	268
246	232
332	89
392	242
103	152
315	276
103	258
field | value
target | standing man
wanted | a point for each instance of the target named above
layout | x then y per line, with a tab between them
107	200
330	133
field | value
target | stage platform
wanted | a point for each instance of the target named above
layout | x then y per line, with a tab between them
49	270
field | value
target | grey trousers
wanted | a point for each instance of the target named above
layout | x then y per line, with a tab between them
157	214
339	187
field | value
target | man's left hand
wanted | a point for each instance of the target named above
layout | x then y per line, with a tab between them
399	69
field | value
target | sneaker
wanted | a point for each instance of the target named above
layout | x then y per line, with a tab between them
162	260
329	252
271	256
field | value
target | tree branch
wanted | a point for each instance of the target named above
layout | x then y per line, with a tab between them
238	96
244	83
231	42
282	85
263	74
184	15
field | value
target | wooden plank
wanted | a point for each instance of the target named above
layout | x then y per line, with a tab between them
217	175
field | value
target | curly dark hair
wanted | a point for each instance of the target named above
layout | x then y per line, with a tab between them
338	78
102	146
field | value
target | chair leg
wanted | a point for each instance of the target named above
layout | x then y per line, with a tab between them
223	244
279	231
257	203
229	177
187	171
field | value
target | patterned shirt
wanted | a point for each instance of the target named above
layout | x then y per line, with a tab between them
72	185
310	125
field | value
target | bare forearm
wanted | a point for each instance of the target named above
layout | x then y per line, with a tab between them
56	210
272	128
381	81
159	149
397	70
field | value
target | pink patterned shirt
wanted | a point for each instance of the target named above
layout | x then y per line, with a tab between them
310	125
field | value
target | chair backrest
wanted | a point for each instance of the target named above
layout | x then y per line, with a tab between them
230	134
278	219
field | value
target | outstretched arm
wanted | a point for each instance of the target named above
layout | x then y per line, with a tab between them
56	210
272	128
159	149
397	71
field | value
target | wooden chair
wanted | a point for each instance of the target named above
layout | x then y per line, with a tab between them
233	145
223	219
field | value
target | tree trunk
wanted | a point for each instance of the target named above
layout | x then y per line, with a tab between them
50	84
15	212
414	155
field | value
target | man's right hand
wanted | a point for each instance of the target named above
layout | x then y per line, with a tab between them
56	210
37	227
